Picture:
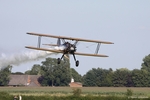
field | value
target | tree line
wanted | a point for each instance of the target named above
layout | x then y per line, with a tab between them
53	74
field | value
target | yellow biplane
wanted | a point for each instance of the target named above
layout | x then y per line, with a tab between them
67	47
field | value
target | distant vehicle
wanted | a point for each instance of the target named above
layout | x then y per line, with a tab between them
67	47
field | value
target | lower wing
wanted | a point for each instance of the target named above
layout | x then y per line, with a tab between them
87	54
44	49
61	51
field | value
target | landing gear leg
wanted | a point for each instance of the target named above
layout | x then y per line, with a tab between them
59	59
76	61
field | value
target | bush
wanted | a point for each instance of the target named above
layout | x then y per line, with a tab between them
77	92
129	92
5	96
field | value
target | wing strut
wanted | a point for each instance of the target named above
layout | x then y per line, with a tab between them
39	42
75	43
97	49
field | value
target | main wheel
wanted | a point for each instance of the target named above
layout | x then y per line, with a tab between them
58	61
77	63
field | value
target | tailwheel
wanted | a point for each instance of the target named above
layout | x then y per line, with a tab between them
77	63
58	61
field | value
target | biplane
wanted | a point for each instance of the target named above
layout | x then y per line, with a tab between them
67	47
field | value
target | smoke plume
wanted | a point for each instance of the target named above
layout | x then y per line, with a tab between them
19	58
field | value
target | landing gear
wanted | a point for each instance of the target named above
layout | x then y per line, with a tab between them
77	63
59	59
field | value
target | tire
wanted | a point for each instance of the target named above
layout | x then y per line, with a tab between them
77	63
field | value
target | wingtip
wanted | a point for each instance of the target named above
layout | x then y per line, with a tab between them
28	33
108	42
27	47
106	56
111	43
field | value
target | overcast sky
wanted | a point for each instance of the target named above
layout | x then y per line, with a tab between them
124	22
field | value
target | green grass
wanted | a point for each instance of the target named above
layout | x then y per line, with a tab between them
67	91
6	96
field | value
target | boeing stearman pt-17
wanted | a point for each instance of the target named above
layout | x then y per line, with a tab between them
67	47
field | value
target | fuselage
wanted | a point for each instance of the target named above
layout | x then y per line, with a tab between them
66	47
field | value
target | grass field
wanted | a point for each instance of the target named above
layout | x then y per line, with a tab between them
67	91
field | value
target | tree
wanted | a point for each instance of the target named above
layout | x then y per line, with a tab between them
48	75
146	63
36	70
54	74
75	75
145	70
27	72
107	81
4	75
120	77
98	77
140	78
65	69
18	73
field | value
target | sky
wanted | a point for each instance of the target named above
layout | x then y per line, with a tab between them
124	22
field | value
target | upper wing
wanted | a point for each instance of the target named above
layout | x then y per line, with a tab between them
70	38
44	49
87	54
